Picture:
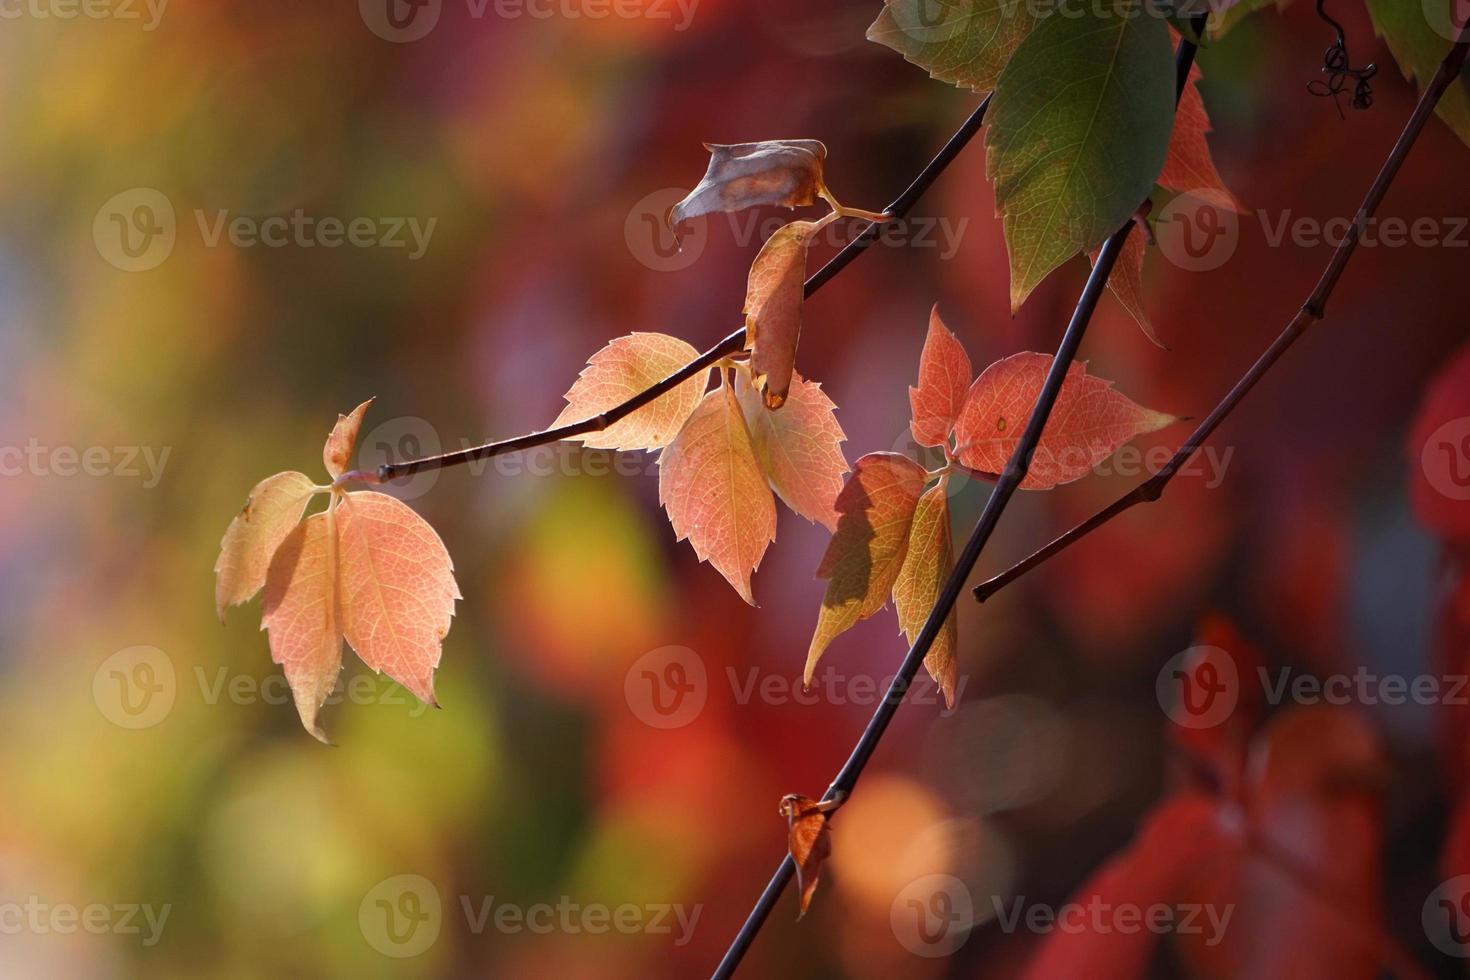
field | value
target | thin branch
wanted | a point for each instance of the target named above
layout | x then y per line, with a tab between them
1000	495
1312	311
732	344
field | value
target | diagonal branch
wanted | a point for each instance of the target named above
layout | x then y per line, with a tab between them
1015	471
732	344
1311	311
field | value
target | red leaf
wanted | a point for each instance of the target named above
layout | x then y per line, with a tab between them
944	378
809	838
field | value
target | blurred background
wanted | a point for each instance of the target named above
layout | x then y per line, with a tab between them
470	197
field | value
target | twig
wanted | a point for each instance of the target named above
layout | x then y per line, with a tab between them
1312	311
1000	495
732	344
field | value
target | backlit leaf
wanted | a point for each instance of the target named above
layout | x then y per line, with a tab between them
773	296
714	490
337	453
809	839
875	510
397	589
799	447
1188	165
1418	35
944	378
1088	423
963	42
273	508
1126	280
622	369
1077	133
747	175
927	564
299	613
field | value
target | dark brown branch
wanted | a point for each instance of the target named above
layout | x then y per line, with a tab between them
1311	311
1010	478
732	344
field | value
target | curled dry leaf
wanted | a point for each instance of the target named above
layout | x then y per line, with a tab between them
809	838
622	369
944	380
715	494
927	563
747	175
799	447
368	569
337	453
273	508
1088	423
773	297
863	560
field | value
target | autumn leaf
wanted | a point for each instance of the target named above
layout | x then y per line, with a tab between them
963	42
809	839
747	175
337	453
773	296
715	493
944	379
299	613
863	560
928	562
799	447
1078	130
273	508
397	589
1418	36
1089	421
622	369
1188	165
1126	281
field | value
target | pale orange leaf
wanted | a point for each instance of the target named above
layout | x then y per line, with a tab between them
299	611
773	297
715	493
397	589
1088	423
927	564
799	447
944	378
863	559
622	369
337	453
273	508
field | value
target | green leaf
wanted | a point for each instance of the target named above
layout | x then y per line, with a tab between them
963	42
1079	128
1419	35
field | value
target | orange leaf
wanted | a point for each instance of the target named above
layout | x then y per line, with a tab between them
337	453
1126	281
1088	423
799	447
927	564
746	175
273	508
714	490
773	296
863	560
944	377
809	838
397	589
621	370
1188	165
299	611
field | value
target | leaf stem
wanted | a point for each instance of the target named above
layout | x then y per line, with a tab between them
1312	310
1015	471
